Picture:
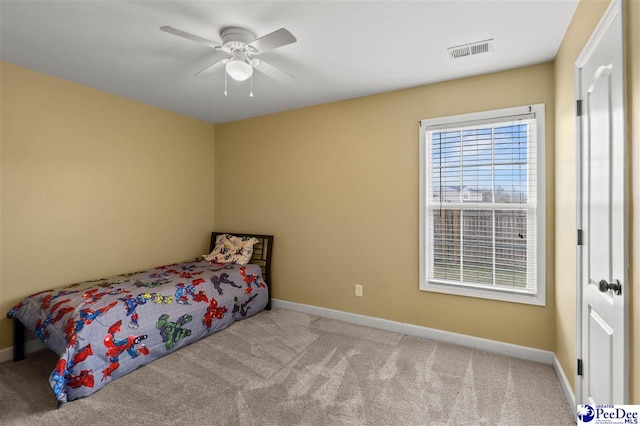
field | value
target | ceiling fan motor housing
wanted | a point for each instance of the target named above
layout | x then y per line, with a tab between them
234	38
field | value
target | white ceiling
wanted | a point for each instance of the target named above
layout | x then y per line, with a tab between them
345	49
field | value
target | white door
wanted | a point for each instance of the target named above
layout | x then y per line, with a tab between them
602	278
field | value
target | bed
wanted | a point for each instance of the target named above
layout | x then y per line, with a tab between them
104	329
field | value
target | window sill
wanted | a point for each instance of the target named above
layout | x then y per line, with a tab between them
528	299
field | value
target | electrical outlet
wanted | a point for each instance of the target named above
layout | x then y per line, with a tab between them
358	290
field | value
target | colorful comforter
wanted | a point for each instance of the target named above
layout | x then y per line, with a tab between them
106	328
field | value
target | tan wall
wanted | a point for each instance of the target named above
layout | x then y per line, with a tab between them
633	86
586	18
94	184
3	328
337	185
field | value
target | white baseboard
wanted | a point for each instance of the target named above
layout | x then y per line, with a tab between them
516	351
29	347
564	383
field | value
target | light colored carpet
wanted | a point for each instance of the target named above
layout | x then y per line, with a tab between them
286	368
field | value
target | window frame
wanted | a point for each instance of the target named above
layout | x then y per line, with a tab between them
464	120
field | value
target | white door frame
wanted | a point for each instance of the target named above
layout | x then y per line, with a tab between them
614	9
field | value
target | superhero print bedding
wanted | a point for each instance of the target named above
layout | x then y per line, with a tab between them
104	329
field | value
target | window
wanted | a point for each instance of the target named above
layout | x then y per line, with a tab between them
482	211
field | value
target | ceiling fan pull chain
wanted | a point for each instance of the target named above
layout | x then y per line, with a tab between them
225	84
251	94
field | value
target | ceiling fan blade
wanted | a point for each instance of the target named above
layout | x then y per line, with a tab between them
189	36
276	39
273	72
209	68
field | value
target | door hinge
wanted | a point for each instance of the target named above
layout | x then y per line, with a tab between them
579	367
578	107
579	237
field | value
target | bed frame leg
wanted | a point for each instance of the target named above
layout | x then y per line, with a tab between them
268	307
18	340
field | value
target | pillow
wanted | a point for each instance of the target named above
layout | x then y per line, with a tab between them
232	249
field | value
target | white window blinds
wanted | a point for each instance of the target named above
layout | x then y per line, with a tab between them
481	196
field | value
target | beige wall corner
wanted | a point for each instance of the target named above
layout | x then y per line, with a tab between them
337	185
95	184
3	329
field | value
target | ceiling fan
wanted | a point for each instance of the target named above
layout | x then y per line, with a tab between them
239	49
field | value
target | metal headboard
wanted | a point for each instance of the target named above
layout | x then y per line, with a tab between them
262	251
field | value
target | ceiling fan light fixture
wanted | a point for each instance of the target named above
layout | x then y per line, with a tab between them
238	69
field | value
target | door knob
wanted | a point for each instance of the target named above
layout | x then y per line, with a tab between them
605	286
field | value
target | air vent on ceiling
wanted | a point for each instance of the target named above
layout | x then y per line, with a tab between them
469	49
